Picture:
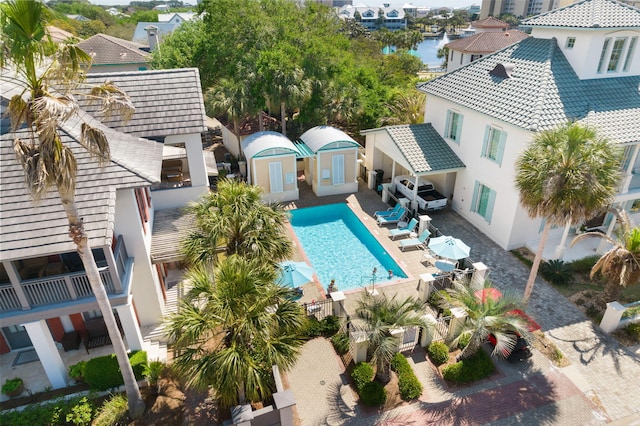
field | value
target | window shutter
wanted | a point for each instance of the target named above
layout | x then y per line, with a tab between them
275	177
338	169
487	131
447	124
474	199
503	140
491	202
459	128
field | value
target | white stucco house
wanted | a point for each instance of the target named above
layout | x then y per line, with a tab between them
581	63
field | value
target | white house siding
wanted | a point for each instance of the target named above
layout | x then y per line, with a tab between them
147	295
510	225
585	54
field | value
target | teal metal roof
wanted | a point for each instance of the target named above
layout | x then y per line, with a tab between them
422	147
320	137
303	150
588	14
542	92
262	144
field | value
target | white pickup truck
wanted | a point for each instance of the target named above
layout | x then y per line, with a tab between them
428	197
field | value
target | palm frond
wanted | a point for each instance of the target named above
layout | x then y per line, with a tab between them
95	142
114	101
50	111
18	111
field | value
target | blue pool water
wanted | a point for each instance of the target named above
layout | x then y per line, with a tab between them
340	247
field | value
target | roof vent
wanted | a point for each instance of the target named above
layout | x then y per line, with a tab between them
502	70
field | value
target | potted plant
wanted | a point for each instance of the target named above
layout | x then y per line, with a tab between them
13	387
76	371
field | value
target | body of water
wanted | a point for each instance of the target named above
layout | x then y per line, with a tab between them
428	50
340	247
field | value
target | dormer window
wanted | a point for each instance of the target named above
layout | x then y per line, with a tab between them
619	52
571	41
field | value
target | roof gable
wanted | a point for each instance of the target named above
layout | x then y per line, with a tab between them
542	92
108	50
486	42
589	14
489	22
168	102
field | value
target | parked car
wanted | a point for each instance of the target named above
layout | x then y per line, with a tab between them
428	198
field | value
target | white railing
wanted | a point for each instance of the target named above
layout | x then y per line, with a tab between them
8	299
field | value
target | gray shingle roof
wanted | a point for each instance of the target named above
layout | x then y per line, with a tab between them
140	34
588	14
423	148
543	91
486	42
168	102
108	50
29	229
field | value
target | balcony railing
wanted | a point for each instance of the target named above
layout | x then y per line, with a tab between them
65	287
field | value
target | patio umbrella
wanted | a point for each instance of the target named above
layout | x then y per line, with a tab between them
449	247
294	274
445	265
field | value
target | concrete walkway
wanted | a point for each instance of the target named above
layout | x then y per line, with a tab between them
600	386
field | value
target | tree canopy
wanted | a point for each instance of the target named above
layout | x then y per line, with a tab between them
303	53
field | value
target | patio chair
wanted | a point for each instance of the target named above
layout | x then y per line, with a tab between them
394	218
429	257
97	334
388	212
415	242
405	230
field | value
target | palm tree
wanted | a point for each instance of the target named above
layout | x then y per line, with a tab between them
621	263
231	98
567	175
290	86
233	325
406	108
485	315
234	220
382	316
48	163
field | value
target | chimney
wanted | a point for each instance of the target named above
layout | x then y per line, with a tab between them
152	37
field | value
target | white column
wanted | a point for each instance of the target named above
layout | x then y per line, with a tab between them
429	331
458	316
612	317
480	272
67	325
47	352
130	326
338	298
424	285
359	345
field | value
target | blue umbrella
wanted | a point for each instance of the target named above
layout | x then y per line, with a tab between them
294	274
449	247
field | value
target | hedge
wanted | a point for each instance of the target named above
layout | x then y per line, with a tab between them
373	394
340	343
362	374
408	384
103	372
474	368
57	412
438	352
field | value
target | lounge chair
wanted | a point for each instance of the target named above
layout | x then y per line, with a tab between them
415	242
394	218
405	230
387	212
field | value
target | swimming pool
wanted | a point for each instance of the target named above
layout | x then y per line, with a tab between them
340	247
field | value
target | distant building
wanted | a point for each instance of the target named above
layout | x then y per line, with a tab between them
151	33
519	8
58	35
468	49
113	54
376	17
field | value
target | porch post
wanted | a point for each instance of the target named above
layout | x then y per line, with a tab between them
113	269
48	353
130	326
14	277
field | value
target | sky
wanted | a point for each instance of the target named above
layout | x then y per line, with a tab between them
433	4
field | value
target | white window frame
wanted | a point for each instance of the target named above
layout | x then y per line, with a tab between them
337	169
630	51
483	201
494	144
617	51
453	126
275	178
571	42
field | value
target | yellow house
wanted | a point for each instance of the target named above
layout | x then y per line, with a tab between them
271	164
332	169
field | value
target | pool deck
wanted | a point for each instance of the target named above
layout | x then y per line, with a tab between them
363	203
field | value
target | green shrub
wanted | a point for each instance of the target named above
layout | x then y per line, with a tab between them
11	385
340	343
584	265
633	330
464	340
54	413
154	371
556	272
312	328
524	259
330	325
474	368
438	352
408	384
631	312
113	411
362	374
373	394
76	371
103	372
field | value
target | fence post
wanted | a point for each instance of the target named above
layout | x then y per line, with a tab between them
424	285
612	317
359	345
458	316
336	306
428	332
480	272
